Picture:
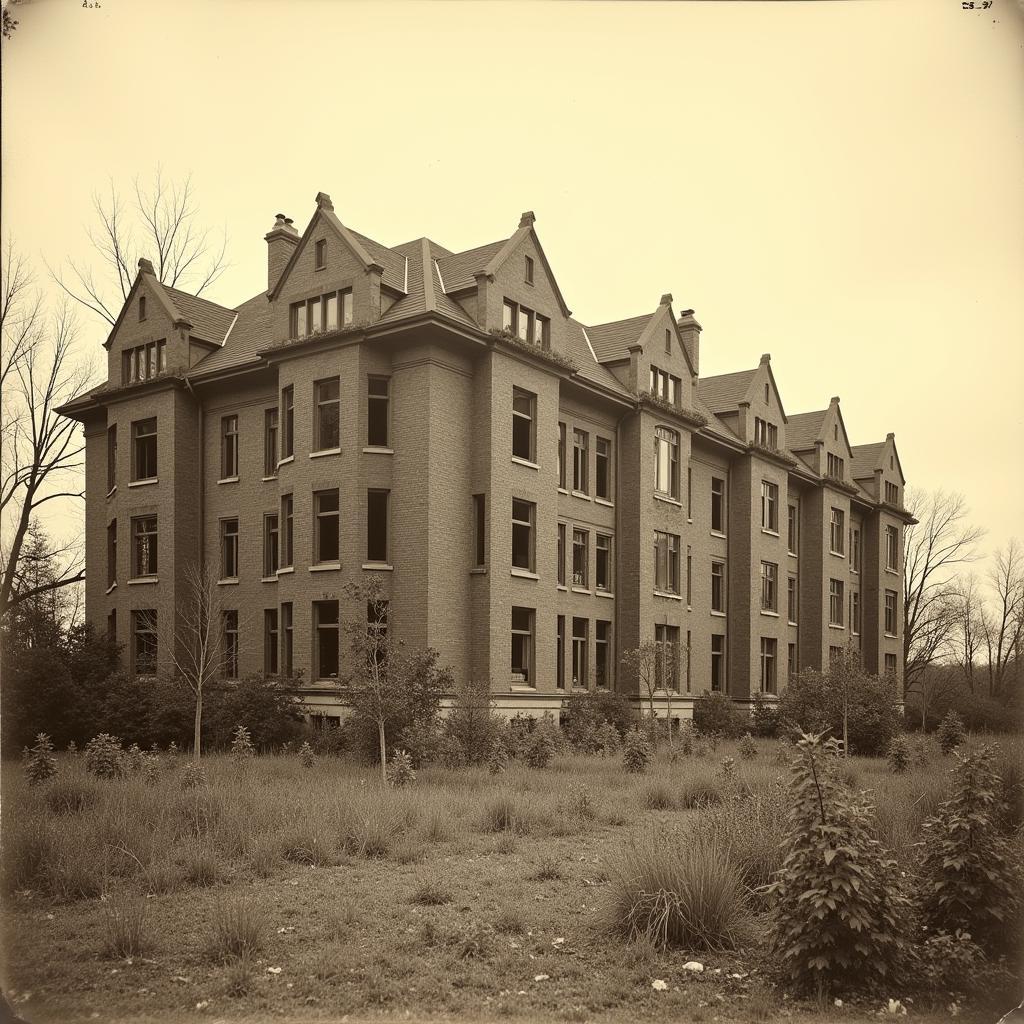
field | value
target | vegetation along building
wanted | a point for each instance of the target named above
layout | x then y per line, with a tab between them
539	495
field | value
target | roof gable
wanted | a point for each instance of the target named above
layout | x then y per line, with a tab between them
524	231
869	458
147	280
663	319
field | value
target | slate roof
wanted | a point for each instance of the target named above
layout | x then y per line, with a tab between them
250	333
803	429
390	260
209	321
457	269
589	369
611	341
726	391
866	458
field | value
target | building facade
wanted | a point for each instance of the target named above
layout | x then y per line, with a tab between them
538	496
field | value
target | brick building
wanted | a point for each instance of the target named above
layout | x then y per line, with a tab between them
537	494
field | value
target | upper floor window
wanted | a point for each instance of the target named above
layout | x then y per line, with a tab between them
229	448
603	566
525	324
835	466
524	406
144	449
718	586
603	469
327	396
111	457
287	530
479	530
835	602
717	504
666	562
144	546
143	362
287	422
765	434
769	506
855	612
792	603
271	542
287	638
528	270
855	549
321	313
769	650
666	462
769	587
892	493
377	526
320	253
892	548
580	558
890	613
766	393
522	534
668	342
326	547
793	531
890	664
560	554
142	307
111	553
270	442
665	385
561	455
270	647
718	682
377	411
580	461
837	532
229	549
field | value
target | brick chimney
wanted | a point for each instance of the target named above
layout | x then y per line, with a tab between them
690	330
281	241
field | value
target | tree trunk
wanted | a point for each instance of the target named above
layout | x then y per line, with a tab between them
383	754
198	726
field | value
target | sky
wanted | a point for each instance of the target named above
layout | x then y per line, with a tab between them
837	184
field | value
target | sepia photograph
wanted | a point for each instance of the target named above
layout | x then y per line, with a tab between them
511	511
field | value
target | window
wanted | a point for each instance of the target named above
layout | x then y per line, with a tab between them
144	450
377	526
144	546
602	653
855	549
718	662
288	530
112	626
791	667
142	307
837	532
377	415
835	466
111	553
327	396
229	549
666	657
765	434
580	567
525	324
508	316
769	587
229	448
717	505
287	422
769	506
603	563
855	612
890	664
718	586
320	313
561	456
890	613
835	602
834	654
326	546
320	251
270	442
666	563
666	462
793	530
529	270
769	648
766	392
689	576
325	632
144	642
892	548
689	493
892	493
522	646
665	386
271	542
560	555
270	642
287	639
603	468
792	604
479	530
111	457
523	407
230	622
560	652
689	647
522	534
143	362
668	342
580	460
580	637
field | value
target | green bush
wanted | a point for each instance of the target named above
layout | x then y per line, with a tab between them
400	771
715	713
838	911
898	754
951	732
765	718
586	716
41	765
748	748
971	874
636	752
471	721
103	756
541	746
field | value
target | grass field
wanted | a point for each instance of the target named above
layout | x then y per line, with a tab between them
276	891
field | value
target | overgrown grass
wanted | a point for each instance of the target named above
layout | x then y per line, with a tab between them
126	926
238	929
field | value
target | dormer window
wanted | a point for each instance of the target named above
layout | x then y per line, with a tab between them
664	385
529	270
835	466
765	434
142	307
320	254
143	362
525	324
321	313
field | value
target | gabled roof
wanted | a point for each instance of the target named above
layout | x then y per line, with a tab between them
866	459
581	351
804	429
250	333
725	392
387	259
458	270
210	321
424	287
611	341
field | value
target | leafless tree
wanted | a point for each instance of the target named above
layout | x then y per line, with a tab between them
1003	629
655	666
968	629
40	450
941	540
160	222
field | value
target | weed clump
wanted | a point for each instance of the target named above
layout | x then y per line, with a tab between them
103	756
636	753
898	754
40	765
238	929
400	771
951	732
127	931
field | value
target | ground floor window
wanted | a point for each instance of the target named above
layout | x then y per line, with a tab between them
666	664
230	644
270	652
603	654
560	653
580	642
769	652
325	631
144	642
522	646
287	642
718	662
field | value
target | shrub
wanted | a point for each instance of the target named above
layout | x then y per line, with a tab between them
238	929
242	749
130	761
497	760
586	717
306	755
421	741
126	927
659	796
951	732
970	873
675	890
103	756
71	795
697	791
450	752
837	907
471	721
764	719
715	713
151	769
898	755
270	712
41	764
502	813
541	747
400	771
579	804
548	869
748	748
636	752
607	739
193	775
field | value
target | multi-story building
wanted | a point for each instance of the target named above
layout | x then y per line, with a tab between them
538	495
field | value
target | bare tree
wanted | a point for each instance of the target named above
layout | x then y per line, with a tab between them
40	450
969	626
655	666
1003	628
160	222
941	540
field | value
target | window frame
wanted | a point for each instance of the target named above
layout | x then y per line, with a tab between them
271	543
527	646
145	622
580	653
326	628
666	440
287	423
580	461
322	515
287	639
666	563
229	532
271	648
580	543
142	443
111	457
718	601
383	495
836	603
837	532
151	546
479	531
602	461
230	638
770	506
721	506
770	587
373	403
323	405
604	666
718	664
524	520
769	665
603	553
286	538
529	417
229	446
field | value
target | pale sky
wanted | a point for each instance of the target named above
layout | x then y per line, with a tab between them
838	184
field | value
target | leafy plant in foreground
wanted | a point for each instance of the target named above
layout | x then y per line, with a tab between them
636	753
951	732
41	764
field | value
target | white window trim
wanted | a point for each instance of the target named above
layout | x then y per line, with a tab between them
111	588
112	491
604	501
372	449
285	569
524	462
325	567
719	615
286	459
658	496
581	494
525	574
378	567
671	597
605	593
268	579
228	480
322	452
228	581
269	479
770	533
138	580
141	483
